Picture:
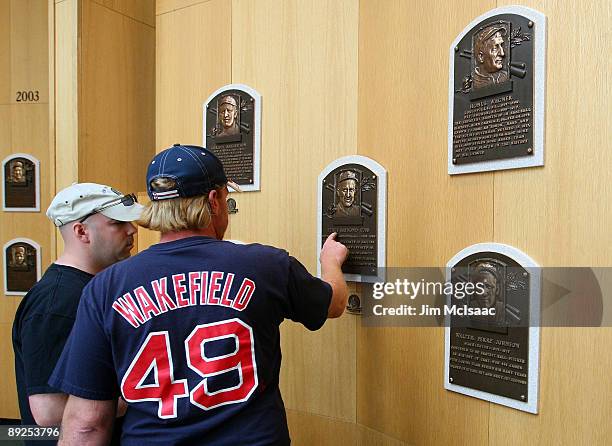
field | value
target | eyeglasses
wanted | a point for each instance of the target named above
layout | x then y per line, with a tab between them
126	200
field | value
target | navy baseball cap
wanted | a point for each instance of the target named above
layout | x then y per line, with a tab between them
194	170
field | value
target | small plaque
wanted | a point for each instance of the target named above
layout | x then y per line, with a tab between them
352	202
353	305
232	131
21	183
496	92
493	353
21	266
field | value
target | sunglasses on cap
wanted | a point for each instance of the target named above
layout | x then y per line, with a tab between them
126	200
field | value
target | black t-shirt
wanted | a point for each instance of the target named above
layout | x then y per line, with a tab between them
42	324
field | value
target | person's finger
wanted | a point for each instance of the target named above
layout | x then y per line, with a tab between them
331	236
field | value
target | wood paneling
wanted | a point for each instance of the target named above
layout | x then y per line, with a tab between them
403	85
303	62
116	103
141	10
8	390
318	373
302	58
193	60
5	51
66	95
307	429
29	48
560	215
24	128
166	6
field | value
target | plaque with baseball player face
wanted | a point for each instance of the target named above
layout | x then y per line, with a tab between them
352	203
492	334
496	92
21	266
20	173
232	131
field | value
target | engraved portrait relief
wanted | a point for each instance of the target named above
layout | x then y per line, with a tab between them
490	274
19	172
490	51
228	116
348	200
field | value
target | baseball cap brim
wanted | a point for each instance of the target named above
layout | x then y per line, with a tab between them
123	213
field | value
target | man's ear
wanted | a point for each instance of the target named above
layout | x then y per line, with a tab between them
81	232
480	57
213	201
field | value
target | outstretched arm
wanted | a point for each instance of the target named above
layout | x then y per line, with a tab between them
333	255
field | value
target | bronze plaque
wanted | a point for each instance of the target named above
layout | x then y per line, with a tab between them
349	201
232	127
491	352
20	184
20	267
493	92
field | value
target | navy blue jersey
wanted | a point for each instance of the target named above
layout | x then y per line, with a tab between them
188	332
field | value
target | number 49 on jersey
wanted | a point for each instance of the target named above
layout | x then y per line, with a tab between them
155	355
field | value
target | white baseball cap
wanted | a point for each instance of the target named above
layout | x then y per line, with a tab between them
84	199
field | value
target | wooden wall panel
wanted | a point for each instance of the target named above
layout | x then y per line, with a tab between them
24	128
9	407
141	10
5	51
29	48
318	373
302	58
307	429
66	95
403	91
165	6
193	60
116	103
560	215
27	127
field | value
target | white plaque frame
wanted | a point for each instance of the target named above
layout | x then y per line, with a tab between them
5	266
533	369
381	213
36	163
539	93
257	131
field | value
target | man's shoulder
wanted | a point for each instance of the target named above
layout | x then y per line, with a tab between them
41	291
55	294
256	250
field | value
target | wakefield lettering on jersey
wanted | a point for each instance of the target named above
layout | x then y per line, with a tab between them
194	288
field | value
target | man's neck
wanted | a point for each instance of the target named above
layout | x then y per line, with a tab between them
178	235
78	262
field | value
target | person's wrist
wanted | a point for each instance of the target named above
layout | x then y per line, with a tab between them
330	262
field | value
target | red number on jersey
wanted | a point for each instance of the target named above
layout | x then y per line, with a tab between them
242	360
154	355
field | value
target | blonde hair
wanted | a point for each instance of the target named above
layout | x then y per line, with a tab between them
175	214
